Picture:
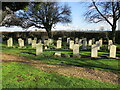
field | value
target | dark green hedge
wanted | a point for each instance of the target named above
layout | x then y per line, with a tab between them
64	34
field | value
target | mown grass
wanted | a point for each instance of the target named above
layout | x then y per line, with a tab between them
110	65
19	75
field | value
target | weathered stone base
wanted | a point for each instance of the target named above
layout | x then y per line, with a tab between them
57	54
76	56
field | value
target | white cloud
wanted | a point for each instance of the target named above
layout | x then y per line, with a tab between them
92	7
11	29
66	27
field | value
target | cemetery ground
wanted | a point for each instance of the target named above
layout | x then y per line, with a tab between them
23	69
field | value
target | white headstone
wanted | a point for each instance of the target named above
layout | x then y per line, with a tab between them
40	41
110	43
59	44
94	51
35	38
76	49
93	40
29	40
39	49
21	43
68	40
84	45
19	40
80	42
33	43
98	44
46	42
10	42
101	42
71	44
113	51
76	40
90	43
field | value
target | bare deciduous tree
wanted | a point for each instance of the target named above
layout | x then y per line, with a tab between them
105	11
46	15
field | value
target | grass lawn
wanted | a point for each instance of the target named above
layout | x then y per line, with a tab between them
110	65
19	75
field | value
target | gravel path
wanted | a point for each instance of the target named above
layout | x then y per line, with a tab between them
81	72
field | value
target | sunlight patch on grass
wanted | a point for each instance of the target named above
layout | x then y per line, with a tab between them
19	75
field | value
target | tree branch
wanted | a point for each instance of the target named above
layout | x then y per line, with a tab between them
101	13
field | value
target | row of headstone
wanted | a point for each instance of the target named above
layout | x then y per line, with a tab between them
75	47
94	51
77	41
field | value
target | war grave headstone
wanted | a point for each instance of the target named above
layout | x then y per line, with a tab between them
76	50
98	44
46	44
101	42
21	43
84	45
33	43
59	44
110	43
10	42
94	51
90	43
29	40
113	51
71	44
76	40
80	42
93	40
39	49
68	40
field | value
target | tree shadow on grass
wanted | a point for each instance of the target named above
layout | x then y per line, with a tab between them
87	64
85	56
26	49
92	66
29	53
104	56
60	50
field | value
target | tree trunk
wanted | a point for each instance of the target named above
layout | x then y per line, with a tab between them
48	29
49	34
113	33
